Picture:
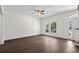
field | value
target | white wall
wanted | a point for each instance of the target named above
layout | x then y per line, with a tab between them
0	29
18	25
62	24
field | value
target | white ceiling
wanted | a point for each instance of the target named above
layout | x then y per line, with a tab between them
29	9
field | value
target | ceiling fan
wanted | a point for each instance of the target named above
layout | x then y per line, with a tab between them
39	11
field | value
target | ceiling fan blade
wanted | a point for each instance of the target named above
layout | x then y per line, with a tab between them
36	10
42	13
42	10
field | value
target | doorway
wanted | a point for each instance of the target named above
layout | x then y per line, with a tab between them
74	28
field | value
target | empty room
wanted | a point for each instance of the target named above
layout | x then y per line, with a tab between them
39	28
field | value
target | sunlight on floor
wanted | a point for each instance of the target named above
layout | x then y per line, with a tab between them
70	47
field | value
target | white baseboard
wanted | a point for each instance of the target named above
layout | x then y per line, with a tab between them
21	37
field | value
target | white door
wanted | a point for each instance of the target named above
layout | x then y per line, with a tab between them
76	30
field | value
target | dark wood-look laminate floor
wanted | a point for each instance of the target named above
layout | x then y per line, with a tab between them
38	44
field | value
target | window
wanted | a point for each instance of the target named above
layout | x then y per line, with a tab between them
51	27
47	29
